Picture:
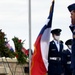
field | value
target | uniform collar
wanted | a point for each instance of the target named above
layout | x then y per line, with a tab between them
72	25
70	50
57	42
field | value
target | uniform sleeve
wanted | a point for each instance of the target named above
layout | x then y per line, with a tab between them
73	47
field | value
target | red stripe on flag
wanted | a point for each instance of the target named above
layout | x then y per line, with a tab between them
37	63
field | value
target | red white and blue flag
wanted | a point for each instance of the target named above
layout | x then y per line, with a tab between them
9	46
39	62
25	51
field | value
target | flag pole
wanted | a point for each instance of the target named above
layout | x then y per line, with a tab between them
29	18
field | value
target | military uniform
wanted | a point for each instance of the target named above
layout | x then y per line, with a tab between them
67	58
71	8
55	57
73	50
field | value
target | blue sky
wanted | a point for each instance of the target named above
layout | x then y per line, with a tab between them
14	18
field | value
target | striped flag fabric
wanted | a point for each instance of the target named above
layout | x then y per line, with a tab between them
25	51
10	47
39	61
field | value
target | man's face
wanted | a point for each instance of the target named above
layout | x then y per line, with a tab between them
73	17
56	37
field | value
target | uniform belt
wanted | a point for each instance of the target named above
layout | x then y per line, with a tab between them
69	62
55	58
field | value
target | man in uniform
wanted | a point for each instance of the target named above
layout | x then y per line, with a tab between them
55	54
67	57
71	8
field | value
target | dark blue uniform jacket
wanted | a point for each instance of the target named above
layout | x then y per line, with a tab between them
55	66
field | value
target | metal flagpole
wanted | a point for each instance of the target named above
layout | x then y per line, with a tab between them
29	5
